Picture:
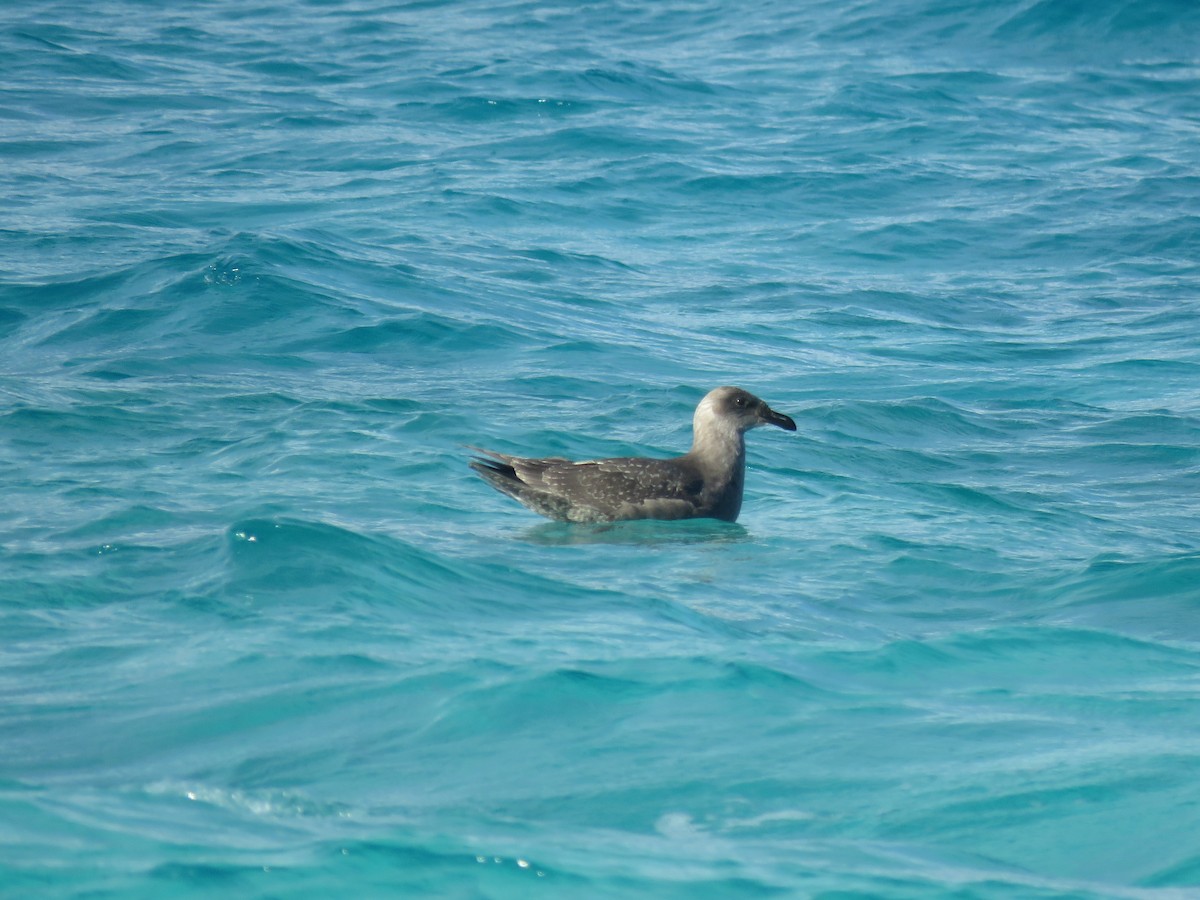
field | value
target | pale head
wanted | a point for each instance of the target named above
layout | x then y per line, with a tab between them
731	412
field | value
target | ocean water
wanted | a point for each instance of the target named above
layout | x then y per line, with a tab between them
267	268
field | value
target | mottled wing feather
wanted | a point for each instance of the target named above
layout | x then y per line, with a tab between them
598	490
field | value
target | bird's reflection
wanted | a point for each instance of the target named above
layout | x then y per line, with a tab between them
651	532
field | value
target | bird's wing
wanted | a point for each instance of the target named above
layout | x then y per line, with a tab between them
623	488
597	490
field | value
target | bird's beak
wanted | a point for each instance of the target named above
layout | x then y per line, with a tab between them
768	416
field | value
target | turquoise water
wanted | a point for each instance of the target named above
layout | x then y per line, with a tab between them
266	269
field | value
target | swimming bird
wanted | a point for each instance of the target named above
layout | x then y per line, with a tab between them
706	482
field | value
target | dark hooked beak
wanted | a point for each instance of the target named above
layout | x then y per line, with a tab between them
770	417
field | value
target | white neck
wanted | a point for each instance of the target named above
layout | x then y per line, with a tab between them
718	441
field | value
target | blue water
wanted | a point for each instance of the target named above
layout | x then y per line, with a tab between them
266	269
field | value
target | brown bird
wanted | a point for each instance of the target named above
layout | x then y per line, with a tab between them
706	482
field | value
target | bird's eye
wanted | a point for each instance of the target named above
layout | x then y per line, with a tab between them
739	401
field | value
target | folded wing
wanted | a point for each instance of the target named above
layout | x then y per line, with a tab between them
598	490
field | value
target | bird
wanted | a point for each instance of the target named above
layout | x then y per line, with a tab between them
706	482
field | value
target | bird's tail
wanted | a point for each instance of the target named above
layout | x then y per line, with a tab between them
497	472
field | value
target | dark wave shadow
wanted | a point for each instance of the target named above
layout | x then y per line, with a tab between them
647	532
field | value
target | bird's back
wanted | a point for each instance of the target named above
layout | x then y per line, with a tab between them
602	490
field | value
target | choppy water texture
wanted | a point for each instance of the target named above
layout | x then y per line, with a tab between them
266	268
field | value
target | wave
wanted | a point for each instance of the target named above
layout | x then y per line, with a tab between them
321	562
